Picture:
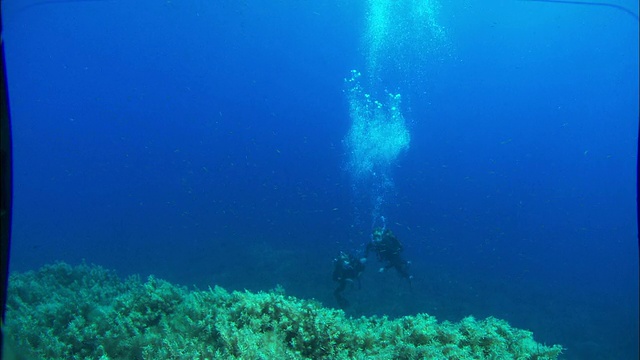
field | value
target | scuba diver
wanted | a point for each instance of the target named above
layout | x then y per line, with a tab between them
388	248
347	268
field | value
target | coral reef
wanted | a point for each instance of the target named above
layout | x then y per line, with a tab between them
86	312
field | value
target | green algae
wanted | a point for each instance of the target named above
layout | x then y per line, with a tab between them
87	312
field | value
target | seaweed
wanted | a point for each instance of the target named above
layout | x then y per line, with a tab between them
86	312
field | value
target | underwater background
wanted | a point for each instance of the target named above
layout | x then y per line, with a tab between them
245	144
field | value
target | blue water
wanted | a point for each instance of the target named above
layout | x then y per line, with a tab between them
204	142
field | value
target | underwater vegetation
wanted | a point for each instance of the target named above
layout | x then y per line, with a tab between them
87	312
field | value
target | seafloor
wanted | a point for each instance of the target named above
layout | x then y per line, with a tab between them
87	312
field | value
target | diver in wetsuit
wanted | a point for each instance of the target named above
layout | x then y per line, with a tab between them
388	248
347	268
